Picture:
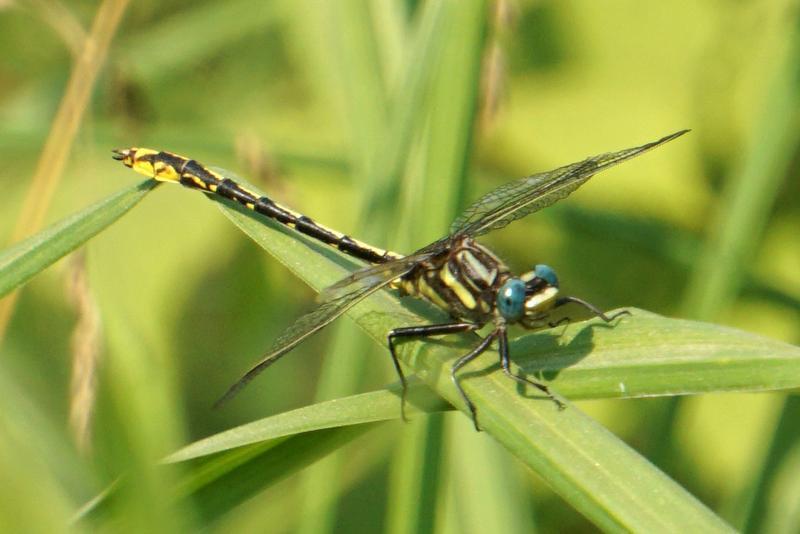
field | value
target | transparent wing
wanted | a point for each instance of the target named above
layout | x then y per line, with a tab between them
303	327
376	274
517	199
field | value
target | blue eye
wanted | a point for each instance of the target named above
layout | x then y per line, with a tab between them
511	299
547	274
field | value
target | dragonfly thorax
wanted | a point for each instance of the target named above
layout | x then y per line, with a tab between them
462	279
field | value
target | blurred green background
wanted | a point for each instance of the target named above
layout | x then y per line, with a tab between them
310	101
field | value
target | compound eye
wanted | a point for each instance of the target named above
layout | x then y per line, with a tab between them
546	273
511	299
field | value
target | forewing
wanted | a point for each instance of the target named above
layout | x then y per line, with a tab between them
302	328
517	199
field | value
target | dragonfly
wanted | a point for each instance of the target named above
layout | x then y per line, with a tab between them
454	273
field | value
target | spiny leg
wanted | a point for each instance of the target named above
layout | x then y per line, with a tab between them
505	363
461	362
591	307
418	332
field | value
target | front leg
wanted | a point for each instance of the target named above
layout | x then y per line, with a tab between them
591	307
505	363
421	332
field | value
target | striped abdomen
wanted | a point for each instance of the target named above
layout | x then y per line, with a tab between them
464	280
168	167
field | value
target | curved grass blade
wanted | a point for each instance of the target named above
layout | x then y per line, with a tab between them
648	355
22	261
219	484
592	469
371	407
538	434
252	457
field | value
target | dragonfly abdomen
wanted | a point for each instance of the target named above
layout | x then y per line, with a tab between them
169	167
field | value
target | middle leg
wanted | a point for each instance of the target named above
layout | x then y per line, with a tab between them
420	332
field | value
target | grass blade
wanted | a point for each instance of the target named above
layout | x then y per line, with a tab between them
647	355
453	47
597	473
22	261
254	456
751	194
371	407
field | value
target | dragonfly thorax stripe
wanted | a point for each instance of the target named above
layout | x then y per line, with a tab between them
481	275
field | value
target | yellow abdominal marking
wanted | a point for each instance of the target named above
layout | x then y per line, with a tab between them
164	173
200	183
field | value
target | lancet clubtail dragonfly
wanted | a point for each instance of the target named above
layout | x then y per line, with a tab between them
455	273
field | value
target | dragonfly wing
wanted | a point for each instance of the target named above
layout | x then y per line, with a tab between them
494	210
515	200
302	328
381	273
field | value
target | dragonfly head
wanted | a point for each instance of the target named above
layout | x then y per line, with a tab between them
528	296
144	161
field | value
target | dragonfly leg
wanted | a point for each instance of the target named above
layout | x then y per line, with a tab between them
591	307
461	362
563	320
418	332
505	363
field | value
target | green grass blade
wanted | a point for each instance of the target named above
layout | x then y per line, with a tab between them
37	471
381	112
249	454
751	194
221	483
375	406
588	466
415	477
614	356
647	355
356	55
451	41
569	430
772	504
217	483
154	53
22	261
